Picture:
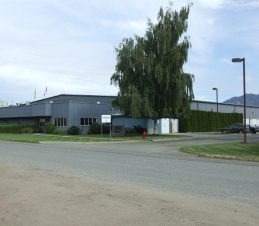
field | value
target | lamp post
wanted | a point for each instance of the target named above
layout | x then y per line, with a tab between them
238	60
217	99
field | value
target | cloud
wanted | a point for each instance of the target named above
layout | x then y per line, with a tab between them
237	4
69	44
212	3
244	3
136	26
23	77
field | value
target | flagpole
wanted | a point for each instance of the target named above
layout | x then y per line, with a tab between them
46	90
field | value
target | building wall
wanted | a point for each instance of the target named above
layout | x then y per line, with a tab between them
16	111
128	122
18	121
69	107
252	112
33	110
75	107
164	125
41	109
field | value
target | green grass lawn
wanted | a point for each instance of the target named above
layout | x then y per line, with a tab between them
36	138
241	151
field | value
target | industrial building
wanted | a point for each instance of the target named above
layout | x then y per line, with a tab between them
82	110
252	112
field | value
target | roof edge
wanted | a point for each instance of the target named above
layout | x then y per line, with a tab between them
78	95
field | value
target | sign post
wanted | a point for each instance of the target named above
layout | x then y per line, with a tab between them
107	119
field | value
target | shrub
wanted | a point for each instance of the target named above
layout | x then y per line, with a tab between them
11	128
38	129
130	131
106	129
27	130
139	129
73	130
95	128
50	128
202	121
59	132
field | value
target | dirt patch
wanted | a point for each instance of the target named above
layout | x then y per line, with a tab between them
31	197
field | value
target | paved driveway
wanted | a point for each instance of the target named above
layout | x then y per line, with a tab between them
150	164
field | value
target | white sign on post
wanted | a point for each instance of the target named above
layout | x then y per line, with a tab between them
106	118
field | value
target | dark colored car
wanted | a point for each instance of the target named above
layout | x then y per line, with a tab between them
254	129
236	128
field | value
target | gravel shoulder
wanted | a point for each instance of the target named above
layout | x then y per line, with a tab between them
33	197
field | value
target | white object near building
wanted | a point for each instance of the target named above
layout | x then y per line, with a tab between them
3	103
106	119
174	126
252	122
163	126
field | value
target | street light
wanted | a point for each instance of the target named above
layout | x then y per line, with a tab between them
217	99
239	60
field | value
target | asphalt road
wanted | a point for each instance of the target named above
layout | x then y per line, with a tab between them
151	164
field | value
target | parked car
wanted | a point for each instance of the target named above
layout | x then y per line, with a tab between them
236	128
254	129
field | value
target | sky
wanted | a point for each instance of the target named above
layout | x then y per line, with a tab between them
69	46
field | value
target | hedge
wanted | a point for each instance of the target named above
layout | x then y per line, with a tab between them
17	128
95	128
206	121
73	130
50	128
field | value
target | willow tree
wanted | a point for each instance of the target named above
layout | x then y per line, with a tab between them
149	70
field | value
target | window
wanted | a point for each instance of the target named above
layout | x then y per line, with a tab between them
87	121
82	122
59	122
41	122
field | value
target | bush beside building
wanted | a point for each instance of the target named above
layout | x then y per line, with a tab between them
206	121
11	128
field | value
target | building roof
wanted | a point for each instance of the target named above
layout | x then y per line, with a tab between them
226	104
72	95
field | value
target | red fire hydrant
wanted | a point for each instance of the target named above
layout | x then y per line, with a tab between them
144	134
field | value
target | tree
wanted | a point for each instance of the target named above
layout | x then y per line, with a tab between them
149	70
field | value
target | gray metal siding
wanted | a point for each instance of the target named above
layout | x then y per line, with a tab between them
15	111
25	111
60	110
87	110
41	109
129	122
252	112
18	121
77	98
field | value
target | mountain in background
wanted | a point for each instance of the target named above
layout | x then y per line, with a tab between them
251	99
